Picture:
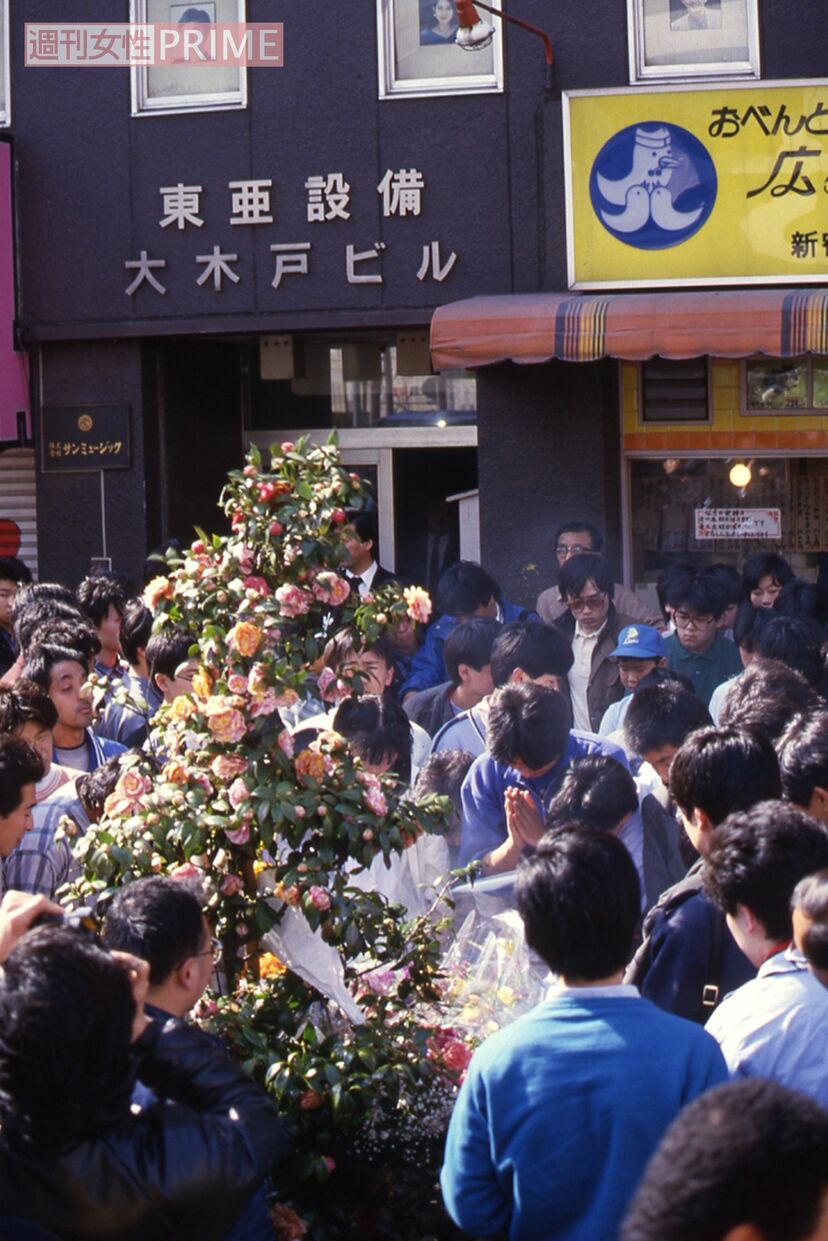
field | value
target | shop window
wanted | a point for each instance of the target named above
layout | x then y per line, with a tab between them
675	391
681	40
786	385
182	87
356	384
5	102
418	54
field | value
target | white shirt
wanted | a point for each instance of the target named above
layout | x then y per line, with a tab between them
583	648
363	580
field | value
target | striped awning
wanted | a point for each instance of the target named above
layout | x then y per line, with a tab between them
535	327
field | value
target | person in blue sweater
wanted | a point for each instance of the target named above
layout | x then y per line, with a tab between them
508	790
561	1110
464	590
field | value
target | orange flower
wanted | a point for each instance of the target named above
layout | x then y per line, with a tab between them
202	684
244	638
156	590
310	766
174	772
270	966
182	708
287	1225
290	896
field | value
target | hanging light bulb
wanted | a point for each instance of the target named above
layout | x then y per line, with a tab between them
740	474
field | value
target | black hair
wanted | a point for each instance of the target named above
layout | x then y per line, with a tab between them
766	697
795	641
764	564
12	569
42	659
96	595
703	593
470	642
748	626
63	1002
42	592
719	770
364	522
803	758
597	792
136	629
663	715
463	588
799	598
95	786
578	570
349	642
20	764
758	856
30	616
596	538
665	676
811	897
23	703
729	578
377	729
443	772
157	564
579	896
672	582
527	723
538	649
750	1152
77	635
167	650
158	919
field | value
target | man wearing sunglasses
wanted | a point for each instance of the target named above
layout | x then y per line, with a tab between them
592	625
579	538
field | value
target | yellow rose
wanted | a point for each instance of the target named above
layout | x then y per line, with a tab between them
182	708
202	684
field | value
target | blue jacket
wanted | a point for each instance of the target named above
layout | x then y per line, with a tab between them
482	794
561	1110
427	666
687	947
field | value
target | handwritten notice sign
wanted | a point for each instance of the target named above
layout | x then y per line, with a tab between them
738	523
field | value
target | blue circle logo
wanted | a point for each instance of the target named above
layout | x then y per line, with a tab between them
653	185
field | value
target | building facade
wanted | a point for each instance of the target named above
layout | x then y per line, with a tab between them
205	261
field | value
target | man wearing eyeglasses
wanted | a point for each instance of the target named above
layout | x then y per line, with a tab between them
698	648
578	538
592	625
160	920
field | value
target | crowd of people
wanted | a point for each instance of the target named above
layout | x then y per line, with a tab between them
648	787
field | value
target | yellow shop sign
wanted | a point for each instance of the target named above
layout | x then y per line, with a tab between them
704	185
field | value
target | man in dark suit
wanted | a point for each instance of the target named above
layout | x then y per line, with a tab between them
363	571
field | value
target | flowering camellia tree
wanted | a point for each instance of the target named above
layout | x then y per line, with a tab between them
331	1024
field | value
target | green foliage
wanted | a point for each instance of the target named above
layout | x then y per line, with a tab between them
221	796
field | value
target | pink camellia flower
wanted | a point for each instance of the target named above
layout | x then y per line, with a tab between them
329	587
238	793
299	811
224	722
265	704
226	766
231	885
187	870
330	1164
286	698
237	684
257	683
240	836
257	584
285	743
288	446
292	601
418	603
132	785
244	558
376	803
320	899
205	1009
455	1055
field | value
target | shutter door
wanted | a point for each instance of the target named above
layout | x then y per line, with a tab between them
18	505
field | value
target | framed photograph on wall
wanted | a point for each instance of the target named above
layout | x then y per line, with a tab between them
172	87
681	40
418	54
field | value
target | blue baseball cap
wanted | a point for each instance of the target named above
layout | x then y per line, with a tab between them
639	642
